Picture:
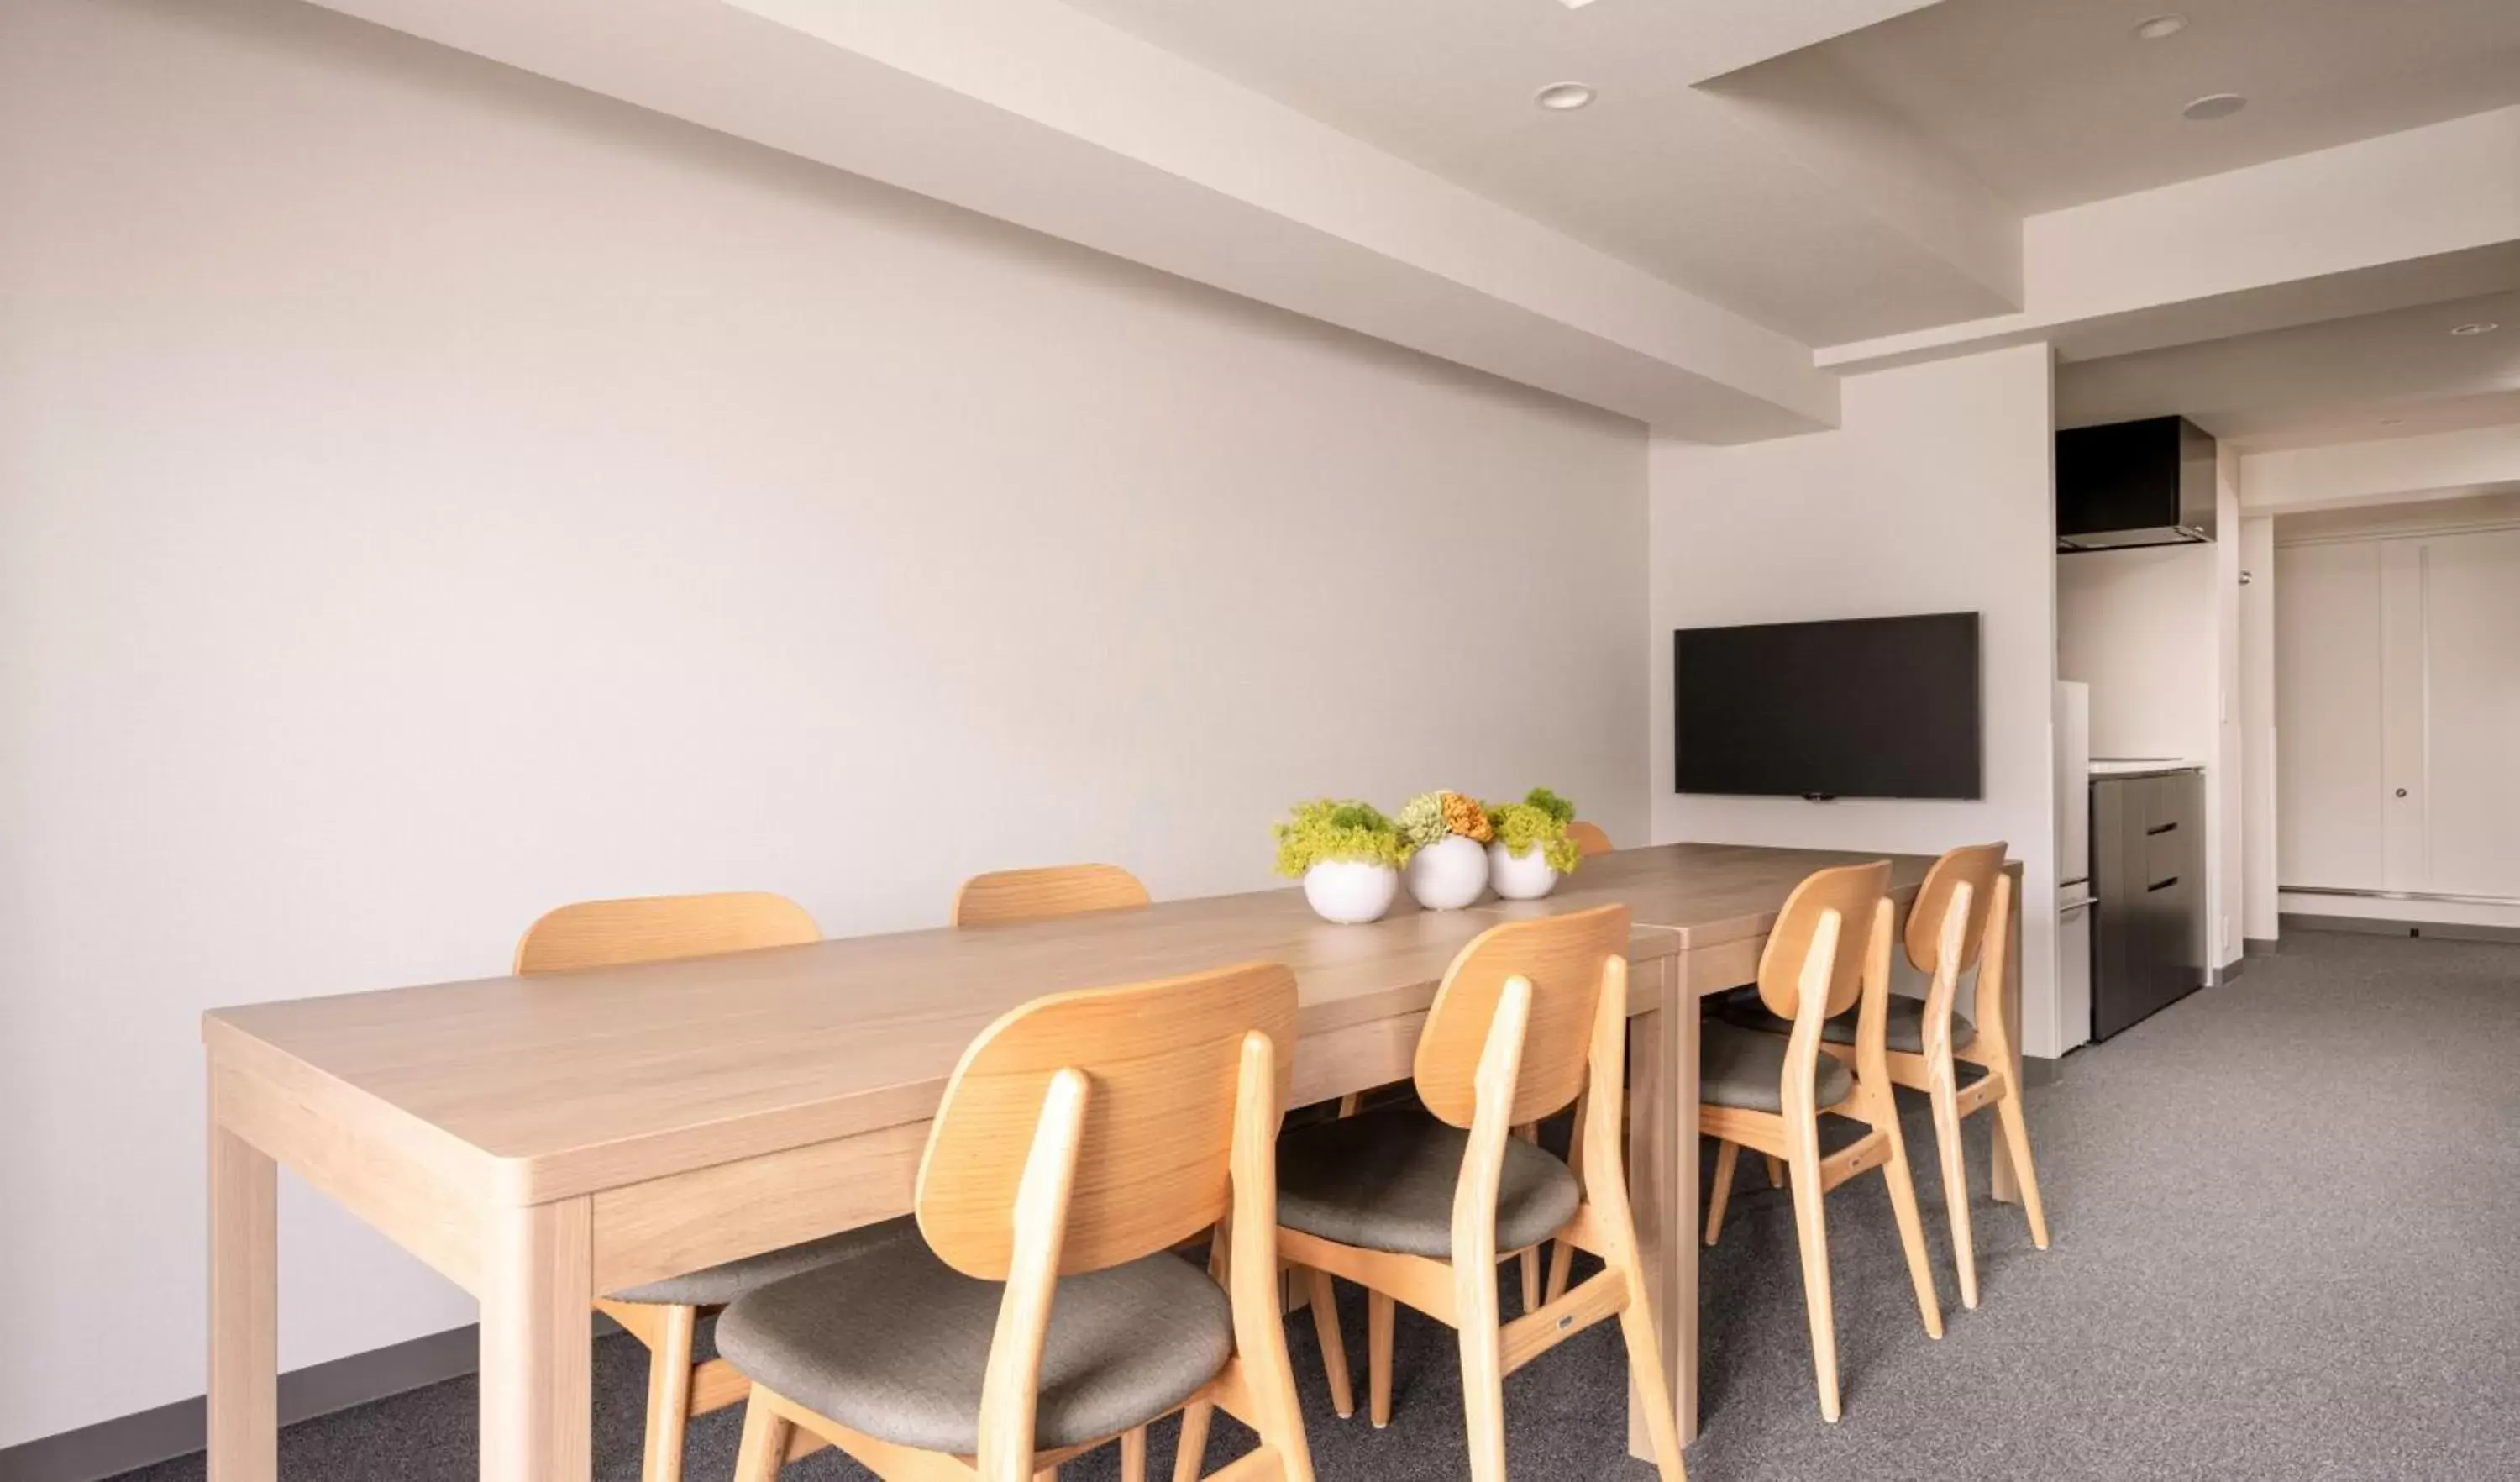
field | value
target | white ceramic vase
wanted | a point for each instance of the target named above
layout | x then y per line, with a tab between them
1520	876
1449	873
1350	891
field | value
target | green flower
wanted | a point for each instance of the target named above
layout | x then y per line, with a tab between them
1534	825
1329	830
1551	804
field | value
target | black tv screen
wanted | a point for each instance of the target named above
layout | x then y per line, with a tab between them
1866	708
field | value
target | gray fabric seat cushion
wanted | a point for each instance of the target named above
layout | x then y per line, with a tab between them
721	1284
1745	1068
1906	1028
1385	1181
895	1344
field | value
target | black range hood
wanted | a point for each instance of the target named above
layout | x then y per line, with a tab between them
2135	483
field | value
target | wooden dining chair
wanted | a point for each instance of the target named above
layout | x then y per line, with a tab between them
1414	1203
1041	1312
1004	898
1011	897
666	1314
1961	919
1589	838
1766	1093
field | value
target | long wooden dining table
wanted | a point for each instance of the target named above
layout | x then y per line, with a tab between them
543	1141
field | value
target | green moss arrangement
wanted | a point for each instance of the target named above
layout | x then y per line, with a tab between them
1539	821
1330	830
1551	804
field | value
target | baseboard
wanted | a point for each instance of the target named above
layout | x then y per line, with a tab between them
2228	971
2373	926
127	1442
2259	945
2039	1071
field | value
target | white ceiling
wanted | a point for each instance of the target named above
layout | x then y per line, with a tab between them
2053	102
1757	177
1680	181
2035	103
2375	376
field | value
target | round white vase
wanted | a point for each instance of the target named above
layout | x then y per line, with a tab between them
1520	876
1350	891
1449	873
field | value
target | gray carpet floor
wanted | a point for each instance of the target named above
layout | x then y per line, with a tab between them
2287	1246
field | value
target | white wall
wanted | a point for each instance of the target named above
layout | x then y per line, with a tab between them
1935	495
2226	786
2155	632
428	494
2138	626
2258	910
2351	477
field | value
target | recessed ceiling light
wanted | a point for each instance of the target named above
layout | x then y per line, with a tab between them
2159	27
1564	97
1574	5
2214	105
2481	327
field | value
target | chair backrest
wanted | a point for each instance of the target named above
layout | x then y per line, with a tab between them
1005	896
655	928
1160	1064
1589	838
1850	890
1562	958
1977	865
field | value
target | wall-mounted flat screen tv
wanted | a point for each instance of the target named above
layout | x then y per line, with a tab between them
1864	707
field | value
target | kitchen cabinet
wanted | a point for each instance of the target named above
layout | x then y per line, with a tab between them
2148	870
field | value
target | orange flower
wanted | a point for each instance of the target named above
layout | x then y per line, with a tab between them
1465	817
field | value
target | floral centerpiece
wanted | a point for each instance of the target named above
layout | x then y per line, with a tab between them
1448	861
1531	850
1348	855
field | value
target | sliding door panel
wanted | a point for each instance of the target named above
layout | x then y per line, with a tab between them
2471	622
2330	787
2403	693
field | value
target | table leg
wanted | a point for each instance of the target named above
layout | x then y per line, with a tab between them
1662	1181
537	1343
245	1310
2006	1183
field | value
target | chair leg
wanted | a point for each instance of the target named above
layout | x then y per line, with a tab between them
1728	1156
1133	1456
2017	1137
1912	1232
1482	1373
1811	1230
669	1393
1378	1315
1190	1452
1323	1301
1776	1175
1955	1161
1562	1269
765	1442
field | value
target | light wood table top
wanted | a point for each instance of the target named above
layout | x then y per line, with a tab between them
572	1081
1707	895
